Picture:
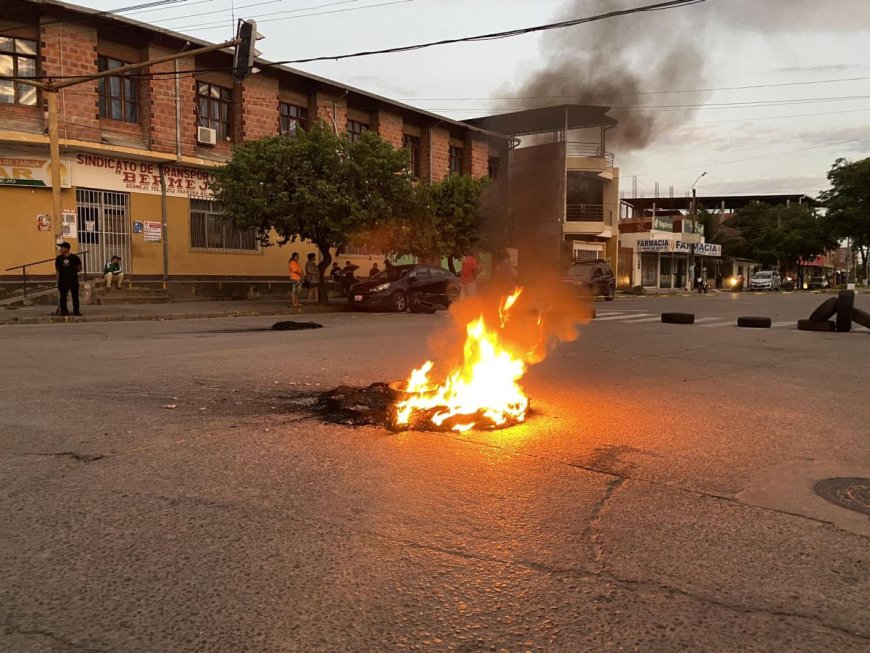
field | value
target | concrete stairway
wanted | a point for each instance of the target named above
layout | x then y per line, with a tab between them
130	295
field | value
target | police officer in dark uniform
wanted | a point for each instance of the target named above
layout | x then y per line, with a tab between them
68	267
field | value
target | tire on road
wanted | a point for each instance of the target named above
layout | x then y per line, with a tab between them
861	317
754	322
678	318
813	325
845	304
825	311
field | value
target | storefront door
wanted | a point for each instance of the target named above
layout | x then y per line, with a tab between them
665	277
649	264
103	228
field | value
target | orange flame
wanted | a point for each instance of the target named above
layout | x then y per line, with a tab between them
483	390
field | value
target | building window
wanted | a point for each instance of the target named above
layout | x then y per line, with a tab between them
119	96
455	160
213	108
412	144
17	59
209	229
492	167
355	130
293	118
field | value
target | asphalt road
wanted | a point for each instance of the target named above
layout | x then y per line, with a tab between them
164	487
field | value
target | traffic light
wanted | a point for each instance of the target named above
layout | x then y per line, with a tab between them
243	60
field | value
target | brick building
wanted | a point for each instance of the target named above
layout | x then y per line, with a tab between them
136	149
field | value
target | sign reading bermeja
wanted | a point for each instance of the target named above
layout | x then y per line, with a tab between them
109	173
106	173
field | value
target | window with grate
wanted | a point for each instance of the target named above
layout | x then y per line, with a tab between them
119	96
455	160
213	108
293	118
492	165
356	129
412	144
211	230
17	59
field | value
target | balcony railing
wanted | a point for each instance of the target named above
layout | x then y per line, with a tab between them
589	151
587	213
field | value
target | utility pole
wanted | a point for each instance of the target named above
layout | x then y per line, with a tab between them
694	213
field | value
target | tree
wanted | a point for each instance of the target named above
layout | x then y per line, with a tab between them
778	234
443	221
848	205
317	186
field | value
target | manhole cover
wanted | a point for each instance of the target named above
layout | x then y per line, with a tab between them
850	493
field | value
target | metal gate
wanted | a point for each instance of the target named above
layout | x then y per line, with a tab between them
104	228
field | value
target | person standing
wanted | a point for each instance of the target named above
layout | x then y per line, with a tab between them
468	275
295	279
112	270
312	278
375	271
68	267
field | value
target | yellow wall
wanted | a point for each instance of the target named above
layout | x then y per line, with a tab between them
20	241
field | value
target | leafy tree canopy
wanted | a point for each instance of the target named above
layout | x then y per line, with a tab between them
317	186
848	204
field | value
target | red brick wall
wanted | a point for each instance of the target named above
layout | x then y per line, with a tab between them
159	106
476	157
324	107
69	48
259	107
435	152
388	126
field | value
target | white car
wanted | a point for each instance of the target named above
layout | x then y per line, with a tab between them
765	280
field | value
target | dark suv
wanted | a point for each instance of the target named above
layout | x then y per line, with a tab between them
592	278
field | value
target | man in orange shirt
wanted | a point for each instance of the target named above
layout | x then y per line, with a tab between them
295	279
468	275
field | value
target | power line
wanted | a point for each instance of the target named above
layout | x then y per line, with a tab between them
258	4
671	4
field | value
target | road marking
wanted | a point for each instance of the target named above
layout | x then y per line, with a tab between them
718	324
778	325
621	317
706	319
657	318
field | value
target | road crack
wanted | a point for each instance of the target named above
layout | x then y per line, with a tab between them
10	629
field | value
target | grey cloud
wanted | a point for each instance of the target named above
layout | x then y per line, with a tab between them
809	184
792	16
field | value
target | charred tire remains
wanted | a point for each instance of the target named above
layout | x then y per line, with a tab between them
861	317
678	318
810	325
289	325
754	322
825	311
845	304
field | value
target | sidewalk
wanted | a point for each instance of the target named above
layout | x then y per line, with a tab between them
41	314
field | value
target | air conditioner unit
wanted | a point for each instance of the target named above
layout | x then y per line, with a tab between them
206	136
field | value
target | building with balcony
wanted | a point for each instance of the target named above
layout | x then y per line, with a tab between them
563	186
137	149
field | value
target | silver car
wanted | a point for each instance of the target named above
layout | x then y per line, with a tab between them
765	280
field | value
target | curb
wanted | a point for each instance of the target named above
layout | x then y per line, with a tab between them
159	318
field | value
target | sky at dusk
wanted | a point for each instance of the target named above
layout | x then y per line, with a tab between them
764	95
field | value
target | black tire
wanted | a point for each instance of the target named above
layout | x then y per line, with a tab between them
754	322
400	302
825	311
861	317
845	306
611	293
813	325
678	318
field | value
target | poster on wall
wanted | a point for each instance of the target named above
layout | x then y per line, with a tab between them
153	231
33	172
43	222
70	225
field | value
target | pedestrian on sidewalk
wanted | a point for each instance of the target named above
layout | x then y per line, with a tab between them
295	279
112	270
312	278
375	271
468	275
68	267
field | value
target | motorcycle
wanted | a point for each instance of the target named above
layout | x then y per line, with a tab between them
701	285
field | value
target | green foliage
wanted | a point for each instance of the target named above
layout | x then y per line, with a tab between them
777	234
443	222
317	186
848	204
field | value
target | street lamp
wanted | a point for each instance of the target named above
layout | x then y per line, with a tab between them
694	221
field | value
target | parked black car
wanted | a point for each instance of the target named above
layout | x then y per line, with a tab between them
420	288
594	278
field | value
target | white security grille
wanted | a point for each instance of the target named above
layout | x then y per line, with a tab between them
104	228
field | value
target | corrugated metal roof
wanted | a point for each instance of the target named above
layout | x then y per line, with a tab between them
546	119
